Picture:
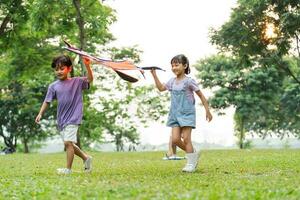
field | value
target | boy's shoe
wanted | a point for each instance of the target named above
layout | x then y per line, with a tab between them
64	171
88	164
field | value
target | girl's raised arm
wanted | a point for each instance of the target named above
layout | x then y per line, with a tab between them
161	87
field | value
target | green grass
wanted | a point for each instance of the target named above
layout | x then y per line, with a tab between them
221	174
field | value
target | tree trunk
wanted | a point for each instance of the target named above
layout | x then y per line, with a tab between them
241	140
26	148
119	142
4	24
80	23
10	142
239	129
242	134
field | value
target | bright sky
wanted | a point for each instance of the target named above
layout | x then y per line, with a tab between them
163	29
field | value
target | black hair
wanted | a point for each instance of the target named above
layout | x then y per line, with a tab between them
62	60
182	59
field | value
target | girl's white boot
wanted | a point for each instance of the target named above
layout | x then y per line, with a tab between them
192	162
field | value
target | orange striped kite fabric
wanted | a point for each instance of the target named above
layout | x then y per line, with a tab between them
114	65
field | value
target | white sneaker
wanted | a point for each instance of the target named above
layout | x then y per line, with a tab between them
167	157
64	171
88	164
192	162
189	168
172	157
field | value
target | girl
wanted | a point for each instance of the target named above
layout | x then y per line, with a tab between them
182	115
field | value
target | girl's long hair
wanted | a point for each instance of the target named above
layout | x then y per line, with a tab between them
182	59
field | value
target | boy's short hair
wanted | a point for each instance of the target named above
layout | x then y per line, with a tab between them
62	60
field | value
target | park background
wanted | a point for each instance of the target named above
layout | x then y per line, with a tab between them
245	56
245	60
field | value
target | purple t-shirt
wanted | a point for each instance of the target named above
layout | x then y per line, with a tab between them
192	86
69	96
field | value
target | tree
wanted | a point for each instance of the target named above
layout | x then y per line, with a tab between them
252	72
251	92
21	59
30	38
28	43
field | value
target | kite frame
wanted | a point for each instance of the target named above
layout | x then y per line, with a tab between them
114	65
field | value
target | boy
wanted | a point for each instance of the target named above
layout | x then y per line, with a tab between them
68	92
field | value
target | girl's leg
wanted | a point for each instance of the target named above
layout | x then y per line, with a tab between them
70	153
187	139
176	138
191	155
172	147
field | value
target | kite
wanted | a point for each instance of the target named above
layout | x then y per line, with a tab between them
114	65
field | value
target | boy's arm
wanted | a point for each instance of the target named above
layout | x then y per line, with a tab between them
87	63
42	111
205	104
161	87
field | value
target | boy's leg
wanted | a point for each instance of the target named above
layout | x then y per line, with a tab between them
79	152
69	136
87	160
70	153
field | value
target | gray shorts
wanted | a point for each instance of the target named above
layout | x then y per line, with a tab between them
69	133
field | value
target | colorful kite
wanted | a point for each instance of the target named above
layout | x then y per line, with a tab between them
114	65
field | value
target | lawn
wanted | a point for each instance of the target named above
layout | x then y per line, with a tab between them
221	174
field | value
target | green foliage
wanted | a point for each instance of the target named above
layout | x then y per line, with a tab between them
121	110
31	35
59	21
222	174
256	71
131	53
28	43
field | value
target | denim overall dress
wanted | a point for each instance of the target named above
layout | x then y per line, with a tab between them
182	111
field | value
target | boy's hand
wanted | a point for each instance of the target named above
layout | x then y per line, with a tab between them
208	116
86	61
38	118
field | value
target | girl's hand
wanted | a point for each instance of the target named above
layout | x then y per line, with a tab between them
153	71
208	116
86	61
